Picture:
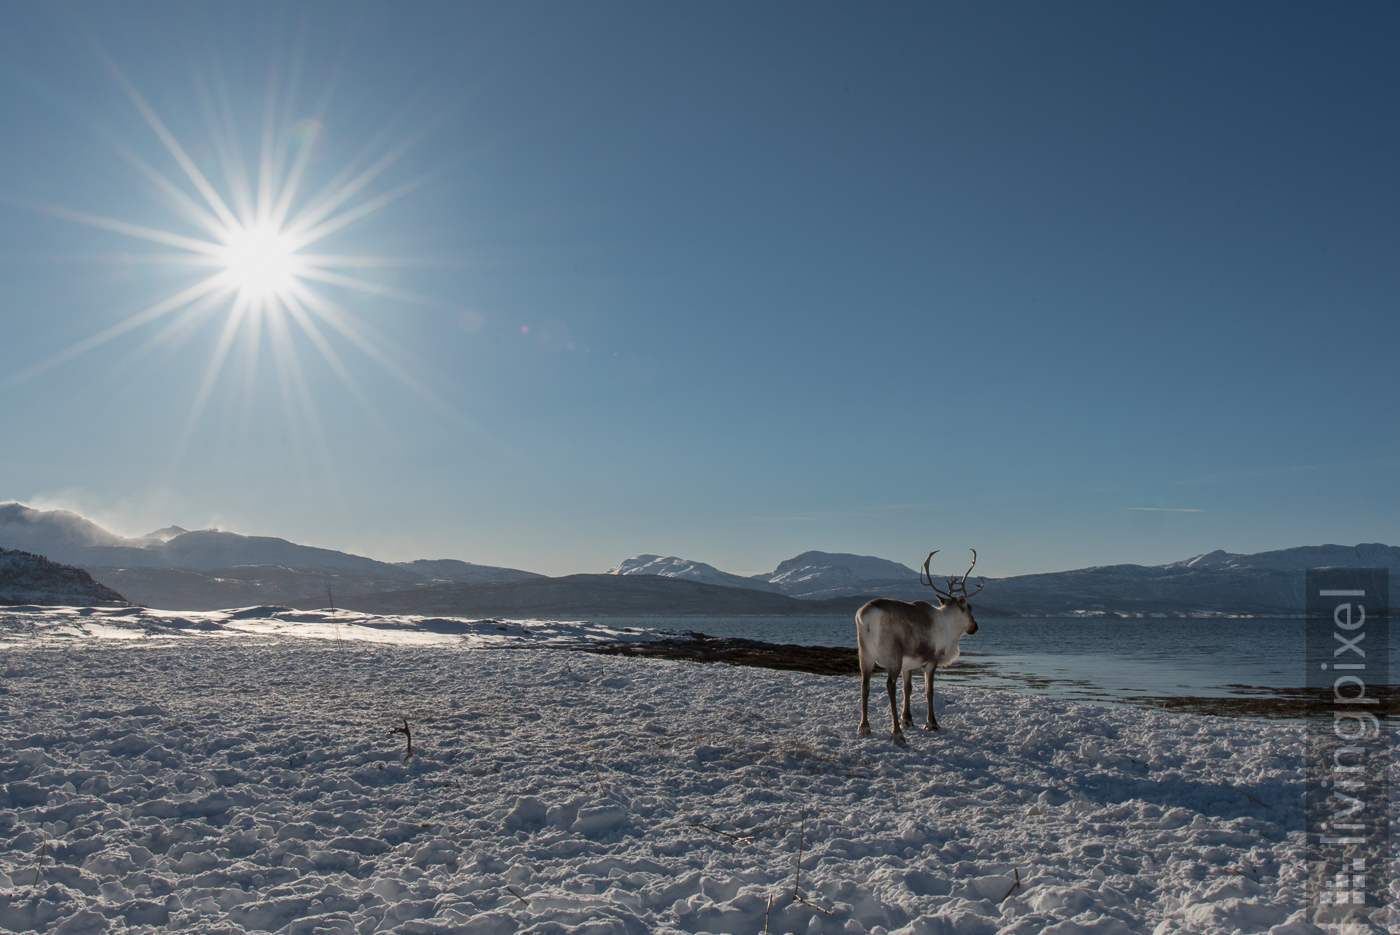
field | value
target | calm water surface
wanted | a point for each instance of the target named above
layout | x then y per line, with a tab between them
1076	658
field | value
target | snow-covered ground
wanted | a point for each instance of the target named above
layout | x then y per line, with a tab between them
216	773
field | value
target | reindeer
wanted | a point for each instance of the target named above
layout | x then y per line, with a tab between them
902	636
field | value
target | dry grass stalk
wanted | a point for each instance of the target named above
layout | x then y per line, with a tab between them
602	789
1014	887
512	892
746	838
797	880
765	913
751	835
38	868
801	836
1248	796
408	737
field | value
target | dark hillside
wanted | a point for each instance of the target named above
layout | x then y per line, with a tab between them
592	596
26	578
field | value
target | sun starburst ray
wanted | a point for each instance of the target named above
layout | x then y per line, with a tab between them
268	153
291	185
372	344
184	204
172	332
370	288
302	237
247	207
252	353
373	261
351	179
145	316
223	134
298	406
232	325
328	353
325	206
115	257
154	235
172	145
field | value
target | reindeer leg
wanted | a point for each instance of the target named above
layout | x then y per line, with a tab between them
864	729
908	719
932	722
897	736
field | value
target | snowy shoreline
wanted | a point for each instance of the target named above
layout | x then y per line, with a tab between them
45	625
255	782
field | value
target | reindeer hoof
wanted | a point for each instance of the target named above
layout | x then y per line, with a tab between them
930	727
863	730
898	739
906	721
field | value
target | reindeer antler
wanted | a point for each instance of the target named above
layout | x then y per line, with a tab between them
963	584
925	575
957	587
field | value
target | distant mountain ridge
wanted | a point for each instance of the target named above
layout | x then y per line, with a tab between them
1300	558
817	575
811	575
179	569
606	595
668	566
209	569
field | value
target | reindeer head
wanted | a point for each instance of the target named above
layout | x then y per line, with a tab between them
955	597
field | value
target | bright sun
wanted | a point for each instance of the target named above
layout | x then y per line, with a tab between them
260	261
247	233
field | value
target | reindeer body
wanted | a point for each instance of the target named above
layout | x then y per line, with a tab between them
900	637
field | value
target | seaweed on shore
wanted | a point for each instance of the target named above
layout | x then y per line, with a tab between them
819	660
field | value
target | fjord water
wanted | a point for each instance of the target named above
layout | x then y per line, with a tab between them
1077	658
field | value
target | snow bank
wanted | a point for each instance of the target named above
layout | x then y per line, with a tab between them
253	782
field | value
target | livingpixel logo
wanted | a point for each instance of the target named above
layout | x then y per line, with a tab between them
1347	794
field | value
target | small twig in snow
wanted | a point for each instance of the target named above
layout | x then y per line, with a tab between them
512	891
1014	887
744	837
801	833
737	837
408	736
765	913
602	789
38	868
797	880
1248	796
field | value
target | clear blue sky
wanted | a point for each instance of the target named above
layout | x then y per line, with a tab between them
1071	284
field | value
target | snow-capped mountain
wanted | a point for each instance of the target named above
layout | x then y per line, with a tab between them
809	575
669	566
826	574
1365	555
31	579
